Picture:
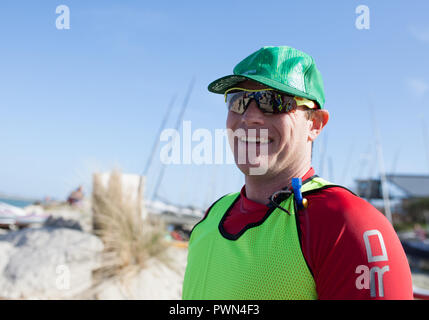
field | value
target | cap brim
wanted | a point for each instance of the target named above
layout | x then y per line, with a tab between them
222	84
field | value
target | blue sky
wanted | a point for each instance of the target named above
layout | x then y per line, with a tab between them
92	97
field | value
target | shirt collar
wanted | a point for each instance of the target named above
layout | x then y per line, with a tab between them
249	206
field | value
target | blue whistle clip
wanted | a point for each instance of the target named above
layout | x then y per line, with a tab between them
296	186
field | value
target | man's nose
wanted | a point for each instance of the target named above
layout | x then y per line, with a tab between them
253	115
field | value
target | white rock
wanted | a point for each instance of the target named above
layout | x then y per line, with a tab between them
47	263
5	251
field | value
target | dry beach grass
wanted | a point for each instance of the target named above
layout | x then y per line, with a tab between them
129	240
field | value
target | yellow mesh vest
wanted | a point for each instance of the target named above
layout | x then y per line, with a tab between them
264	263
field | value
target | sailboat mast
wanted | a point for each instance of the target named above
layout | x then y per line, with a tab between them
178	123
152	153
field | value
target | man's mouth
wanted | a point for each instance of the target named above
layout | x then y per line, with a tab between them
259	140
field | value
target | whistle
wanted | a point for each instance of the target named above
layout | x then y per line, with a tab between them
296	186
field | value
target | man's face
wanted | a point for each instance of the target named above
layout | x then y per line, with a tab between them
288	137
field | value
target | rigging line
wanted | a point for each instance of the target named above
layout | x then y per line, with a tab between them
178	123
156	141
154	148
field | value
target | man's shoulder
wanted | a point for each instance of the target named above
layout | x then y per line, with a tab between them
340	224
339	202
336	196
229	197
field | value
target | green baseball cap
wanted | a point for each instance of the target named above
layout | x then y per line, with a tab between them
282	68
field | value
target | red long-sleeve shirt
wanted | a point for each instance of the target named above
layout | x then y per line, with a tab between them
351	249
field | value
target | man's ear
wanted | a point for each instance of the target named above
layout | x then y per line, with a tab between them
318	120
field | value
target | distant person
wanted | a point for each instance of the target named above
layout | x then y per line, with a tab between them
76	196
276	239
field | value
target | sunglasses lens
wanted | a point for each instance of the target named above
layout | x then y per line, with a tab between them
269	102
266	102
235	102
284	103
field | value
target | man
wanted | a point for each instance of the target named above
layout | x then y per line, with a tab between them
276	239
